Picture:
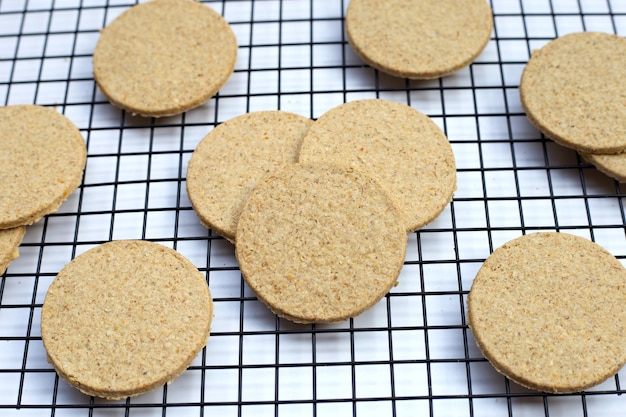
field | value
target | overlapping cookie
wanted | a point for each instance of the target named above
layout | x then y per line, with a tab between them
399	146
234	157
320	243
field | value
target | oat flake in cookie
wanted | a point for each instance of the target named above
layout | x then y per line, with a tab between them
42	158
418	39
320	243
164	57
548	311
573	90
124	318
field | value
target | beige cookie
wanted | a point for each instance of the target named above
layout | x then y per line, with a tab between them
42	158
399	146
574	91
612	165
231	160
164	57
548	311
418	39
10	240
320	243
124	318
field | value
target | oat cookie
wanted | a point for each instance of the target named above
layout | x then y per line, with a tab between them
418	39
42	158
320	243
573	91
230	161
10	240
547	310
396	144
612	165
124	318
164	57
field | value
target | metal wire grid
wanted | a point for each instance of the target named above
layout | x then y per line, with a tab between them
412	353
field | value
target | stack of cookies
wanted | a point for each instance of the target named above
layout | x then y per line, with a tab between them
573	90
42	158
319	211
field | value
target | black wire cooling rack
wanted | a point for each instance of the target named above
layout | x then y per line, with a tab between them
412	353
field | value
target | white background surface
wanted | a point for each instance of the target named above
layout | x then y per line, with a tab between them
412	353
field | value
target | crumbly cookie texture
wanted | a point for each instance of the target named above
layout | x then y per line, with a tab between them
10	240
547	310
399	146
42	158
573	90
125	318
164	57
320	243
418	39
234	157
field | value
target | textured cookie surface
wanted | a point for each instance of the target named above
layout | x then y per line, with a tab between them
164	57
418	39
548	311
10	240
231	160
320	243
124	318
399	146
574	91
42	158
612	165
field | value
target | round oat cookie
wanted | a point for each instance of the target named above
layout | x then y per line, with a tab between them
42	158
124	318
574	91
418	39
231	160
396	144
547	310
612	165
10	240
320	243
164	57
